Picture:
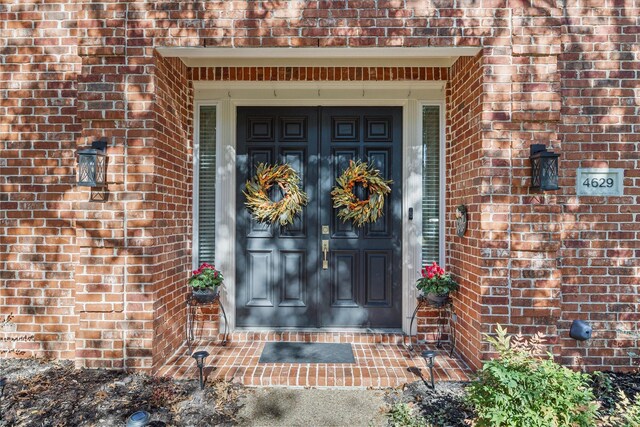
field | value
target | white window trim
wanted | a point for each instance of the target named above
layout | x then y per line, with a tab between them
264	94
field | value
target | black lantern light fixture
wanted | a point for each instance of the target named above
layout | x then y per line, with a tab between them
429	358
544	168
92	165
200	356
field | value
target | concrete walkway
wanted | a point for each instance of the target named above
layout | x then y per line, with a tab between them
313	407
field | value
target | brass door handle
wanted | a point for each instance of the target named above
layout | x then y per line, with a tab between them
325	251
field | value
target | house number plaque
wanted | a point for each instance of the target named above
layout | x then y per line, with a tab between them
599	182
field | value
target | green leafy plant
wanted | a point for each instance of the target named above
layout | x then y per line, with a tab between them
435	281
522	388
625	413
402	415
205	277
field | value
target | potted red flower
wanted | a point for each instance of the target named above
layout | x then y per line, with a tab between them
435	284
205	283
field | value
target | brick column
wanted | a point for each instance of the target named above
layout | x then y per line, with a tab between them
115	273
521	228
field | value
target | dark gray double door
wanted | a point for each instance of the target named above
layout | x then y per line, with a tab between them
280	277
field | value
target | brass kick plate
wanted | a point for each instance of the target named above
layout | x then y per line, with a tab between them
325	229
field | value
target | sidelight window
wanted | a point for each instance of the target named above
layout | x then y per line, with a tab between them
431	184
205	152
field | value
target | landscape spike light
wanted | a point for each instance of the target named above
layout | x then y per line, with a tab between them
138	419
3	383
200	356
429	358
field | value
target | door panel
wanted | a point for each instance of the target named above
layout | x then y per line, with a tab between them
280	291
344	278
294	287
260	292
280	279
373	272
378	285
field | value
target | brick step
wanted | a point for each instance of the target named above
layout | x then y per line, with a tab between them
384	338
375	365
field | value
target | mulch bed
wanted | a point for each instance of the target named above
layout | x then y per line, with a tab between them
445	406
42	393
55	394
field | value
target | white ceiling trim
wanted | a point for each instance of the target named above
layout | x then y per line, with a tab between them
320	85
369	56
317	52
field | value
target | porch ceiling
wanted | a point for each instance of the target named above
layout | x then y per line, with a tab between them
329	56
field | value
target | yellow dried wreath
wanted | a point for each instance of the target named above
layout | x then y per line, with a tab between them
262	207
351	208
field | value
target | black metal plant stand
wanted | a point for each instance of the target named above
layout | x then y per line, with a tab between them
445	313
192	312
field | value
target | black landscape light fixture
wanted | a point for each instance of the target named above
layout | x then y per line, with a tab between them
200	356
3	382
544	168
138	419
92	165
429	358
580	330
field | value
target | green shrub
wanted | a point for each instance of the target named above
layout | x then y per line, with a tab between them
402	415
522	389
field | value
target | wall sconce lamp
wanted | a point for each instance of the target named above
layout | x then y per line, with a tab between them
544	168
200	356
92	165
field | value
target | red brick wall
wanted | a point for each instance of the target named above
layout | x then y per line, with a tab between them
464	154
599	127
94	279
173	111
38	131
318	73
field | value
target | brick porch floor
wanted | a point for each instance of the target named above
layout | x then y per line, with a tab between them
381	360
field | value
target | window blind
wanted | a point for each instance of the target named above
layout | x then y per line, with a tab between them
207	185
430	184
